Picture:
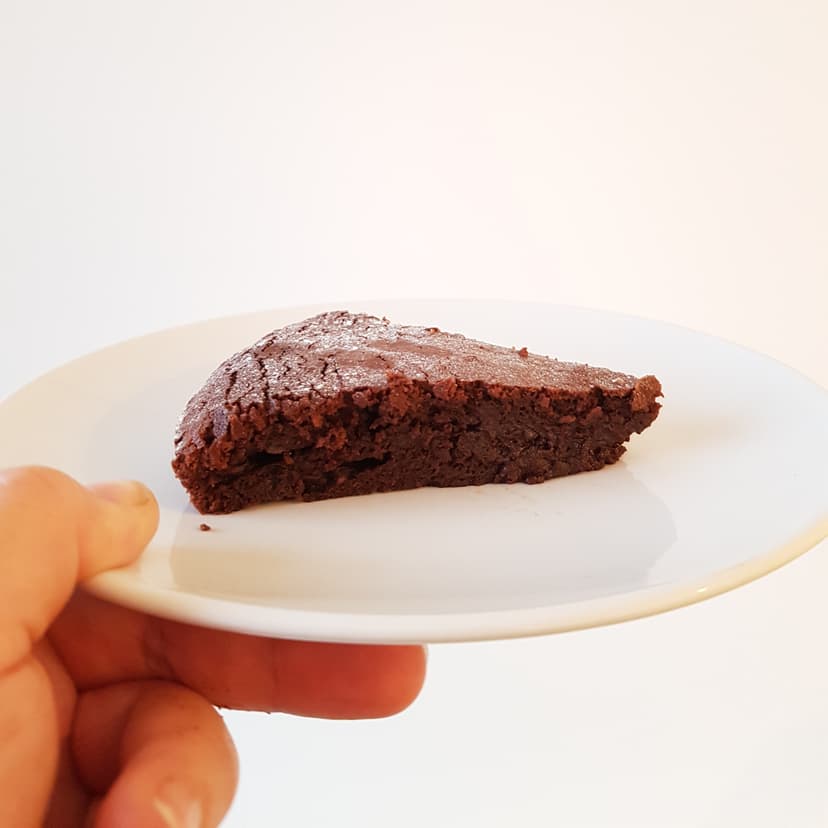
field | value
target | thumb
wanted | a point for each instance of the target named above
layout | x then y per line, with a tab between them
55	532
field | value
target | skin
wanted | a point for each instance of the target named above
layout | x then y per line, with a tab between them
107	716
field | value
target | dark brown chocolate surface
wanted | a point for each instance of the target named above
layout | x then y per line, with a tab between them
345	404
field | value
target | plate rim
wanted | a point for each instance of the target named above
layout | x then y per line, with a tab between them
440	628
120	587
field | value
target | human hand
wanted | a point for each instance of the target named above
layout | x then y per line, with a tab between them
106	715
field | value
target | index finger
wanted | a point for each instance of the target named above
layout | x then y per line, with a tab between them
100	643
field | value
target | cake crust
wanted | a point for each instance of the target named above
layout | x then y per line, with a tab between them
345	404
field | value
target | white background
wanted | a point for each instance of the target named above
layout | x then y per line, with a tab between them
165	162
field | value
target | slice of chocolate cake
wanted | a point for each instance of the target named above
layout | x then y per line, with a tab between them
345	404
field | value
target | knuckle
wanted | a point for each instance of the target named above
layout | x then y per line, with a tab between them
37	482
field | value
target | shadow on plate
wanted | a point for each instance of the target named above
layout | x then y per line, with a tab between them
473	549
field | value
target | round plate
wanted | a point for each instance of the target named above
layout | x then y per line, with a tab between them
730	482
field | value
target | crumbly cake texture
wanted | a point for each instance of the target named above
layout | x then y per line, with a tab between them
347	404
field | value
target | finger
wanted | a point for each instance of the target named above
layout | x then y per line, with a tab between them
37	701
53	532
28	744
159	753
101	643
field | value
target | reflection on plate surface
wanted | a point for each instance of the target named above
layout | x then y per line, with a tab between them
482	540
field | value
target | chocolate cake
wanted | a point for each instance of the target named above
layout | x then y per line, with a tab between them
345	404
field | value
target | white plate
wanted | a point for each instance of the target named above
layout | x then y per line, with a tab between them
730	482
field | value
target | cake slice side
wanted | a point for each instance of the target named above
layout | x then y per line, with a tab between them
343	405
